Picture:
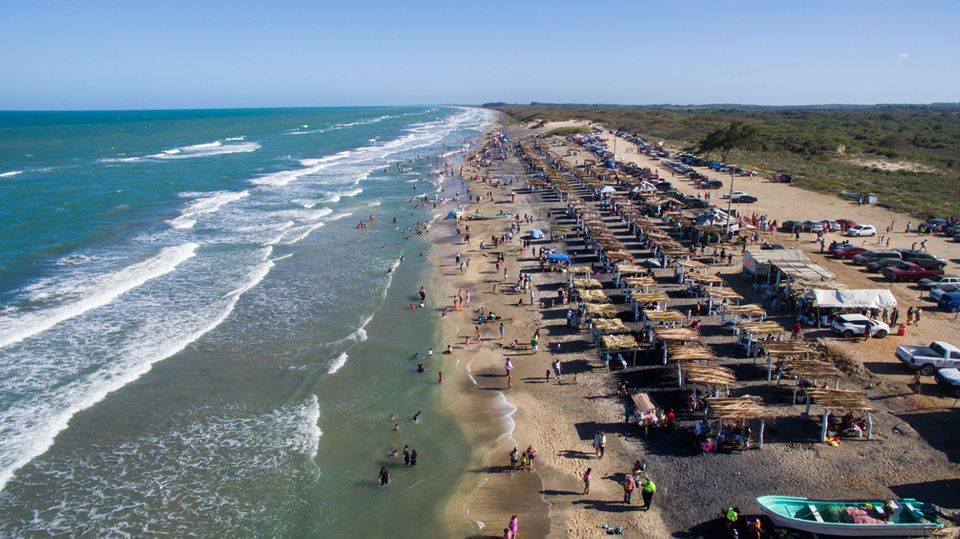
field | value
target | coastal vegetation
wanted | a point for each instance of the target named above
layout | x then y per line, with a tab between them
907	154
572	130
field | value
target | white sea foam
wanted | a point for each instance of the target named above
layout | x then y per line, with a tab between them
338	363
10	174
205	203
298	234
207	149
31	425
95	292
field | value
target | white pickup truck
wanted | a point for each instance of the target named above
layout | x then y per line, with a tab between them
927	359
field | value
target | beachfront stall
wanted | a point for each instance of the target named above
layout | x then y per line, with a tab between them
847	401
782	350
741	409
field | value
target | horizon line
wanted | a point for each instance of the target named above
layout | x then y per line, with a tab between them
482	105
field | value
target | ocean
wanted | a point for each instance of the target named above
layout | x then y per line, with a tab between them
197	339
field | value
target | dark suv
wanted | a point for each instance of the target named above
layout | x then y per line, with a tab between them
923	259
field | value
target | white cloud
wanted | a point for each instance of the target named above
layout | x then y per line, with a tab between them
902	57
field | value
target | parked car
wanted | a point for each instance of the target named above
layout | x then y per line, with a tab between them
950	301
869	256
846	223
831	225
938	292
933	225
908	271
949	379
837	246
743	199
849	325
783	177
923	259
812	226
711	184
861	230
927	359
850	251
771	246
790	226
875	266
938	280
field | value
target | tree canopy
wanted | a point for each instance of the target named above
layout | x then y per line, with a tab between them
736	135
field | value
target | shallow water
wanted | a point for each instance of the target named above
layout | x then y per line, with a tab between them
197	340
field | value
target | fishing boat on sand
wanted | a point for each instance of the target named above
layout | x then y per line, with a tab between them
852	518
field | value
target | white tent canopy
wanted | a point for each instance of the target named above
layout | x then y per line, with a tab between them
870	298
608	189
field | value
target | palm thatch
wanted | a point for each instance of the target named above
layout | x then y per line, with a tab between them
723	293
841	399
708	375
690	352
751	309
786	348
647	297
614	343
587	284
628	269
676	334
662	316
635	282
610	325
580	269
601	310
739	408
811	369
593	296
618	255
764	327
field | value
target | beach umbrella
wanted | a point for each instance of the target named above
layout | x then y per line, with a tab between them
536	234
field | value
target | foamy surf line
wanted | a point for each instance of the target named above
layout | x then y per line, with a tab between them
52	411
10	174
207	149
99	291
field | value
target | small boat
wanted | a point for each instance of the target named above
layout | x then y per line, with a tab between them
851	518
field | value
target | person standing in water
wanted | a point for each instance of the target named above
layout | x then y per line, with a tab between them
384	477
413	457
406	455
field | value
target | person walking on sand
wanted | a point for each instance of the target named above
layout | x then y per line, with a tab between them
628	485
531	455
514	458
597	438
648	490
586	481
556	369
534	342
501	331
514	526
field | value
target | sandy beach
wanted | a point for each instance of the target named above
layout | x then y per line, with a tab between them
561	419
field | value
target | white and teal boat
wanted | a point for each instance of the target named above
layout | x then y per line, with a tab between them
851	518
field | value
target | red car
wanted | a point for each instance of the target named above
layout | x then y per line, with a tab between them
849	251
908	271
846	223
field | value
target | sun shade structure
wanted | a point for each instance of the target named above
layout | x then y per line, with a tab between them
706	375
587	284
639	282
663	316
784	349
626	269
580	269
613	343
601	310
840	400
676	334
751	309
618	255
610	325
691	352
741	409
880	298
593	296
649	297
762	328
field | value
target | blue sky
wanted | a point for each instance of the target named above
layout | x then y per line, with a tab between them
178	54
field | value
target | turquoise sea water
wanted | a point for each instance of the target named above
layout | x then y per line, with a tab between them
195	337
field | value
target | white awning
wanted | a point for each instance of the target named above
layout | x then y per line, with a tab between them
871	298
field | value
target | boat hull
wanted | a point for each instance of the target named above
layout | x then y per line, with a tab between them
839	529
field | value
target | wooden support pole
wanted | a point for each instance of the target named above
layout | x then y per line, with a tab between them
869	426
769	366
762	423
823	428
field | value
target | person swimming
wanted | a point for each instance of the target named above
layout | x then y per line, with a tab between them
416	416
